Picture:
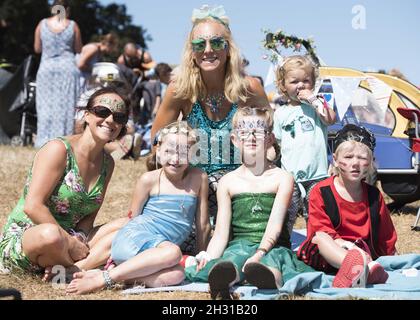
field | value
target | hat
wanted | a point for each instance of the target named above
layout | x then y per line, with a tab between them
352	132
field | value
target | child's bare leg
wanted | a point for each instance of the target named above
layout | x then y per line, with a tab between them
98	254
148	262
167	277
99	232
277	275
329	249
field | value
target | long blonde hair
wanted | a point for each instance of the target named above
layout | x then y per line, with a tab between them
188	81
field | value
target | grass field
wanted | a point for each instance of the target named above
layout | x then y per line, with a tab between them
14	164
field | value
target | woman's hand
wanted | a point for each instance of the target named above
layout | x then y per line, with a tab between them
77	249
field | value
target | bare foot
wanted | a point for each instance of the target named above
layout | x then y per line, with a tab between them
86	273
86	282
47	274
68	273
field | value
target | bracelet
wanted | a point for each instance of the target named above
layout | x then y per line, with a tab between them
81	235
264	251
109	283
312	99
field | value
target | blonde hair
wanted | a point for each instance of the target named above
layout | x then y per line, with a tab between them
372	167
265	113
177	127
293	63
188	81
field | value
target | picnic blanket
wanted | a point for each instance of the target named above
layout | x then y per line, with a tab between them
403	282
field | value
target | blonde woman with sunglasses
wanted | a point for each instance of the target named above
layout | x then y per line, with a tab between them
207	88
52	223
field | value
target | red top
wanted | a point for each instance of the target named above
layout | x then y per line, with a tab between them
355	219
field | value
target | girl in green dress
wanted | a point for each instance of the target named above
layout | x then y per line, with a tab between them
251	240
52	223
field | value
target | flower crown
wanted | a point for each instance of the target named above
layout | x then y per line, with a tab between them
177	127
273	41
216	12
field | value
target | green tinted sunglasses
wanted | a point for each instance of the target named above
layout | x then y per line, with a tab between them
216	43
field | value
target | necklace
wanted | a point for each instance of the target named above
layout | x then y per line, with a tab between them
214	101
256	208
182	206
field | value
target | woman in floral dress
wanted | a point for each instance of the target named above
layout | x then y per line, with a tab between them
52	224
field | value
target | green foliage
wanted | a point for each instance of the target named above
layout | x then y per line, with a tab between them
19	18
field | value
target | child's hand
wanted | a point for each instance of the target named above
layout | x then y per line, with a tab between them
203	257
305	95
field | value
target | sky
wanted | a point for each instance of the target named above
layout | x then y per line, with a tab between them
361	34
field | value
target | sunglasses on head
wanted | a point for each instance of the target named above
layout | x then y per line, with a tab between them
104	112
216	43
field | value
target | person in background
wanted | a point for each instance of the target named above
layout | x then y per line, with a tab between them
57	39
137	59
92	53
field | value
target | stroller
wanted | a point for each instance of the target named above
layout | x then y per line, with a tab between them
17	105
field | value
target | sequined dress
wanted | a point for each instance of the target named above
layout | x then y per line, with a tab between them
248	230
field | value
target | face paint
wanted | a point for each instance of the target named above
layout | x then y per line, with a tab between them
252	124
115	105
256	127
353	162
208	36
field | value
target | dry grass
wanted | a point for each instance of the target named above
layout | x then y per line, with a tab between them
14	164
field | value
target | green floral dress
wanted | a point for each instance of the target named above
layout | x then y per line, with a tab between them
69	203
